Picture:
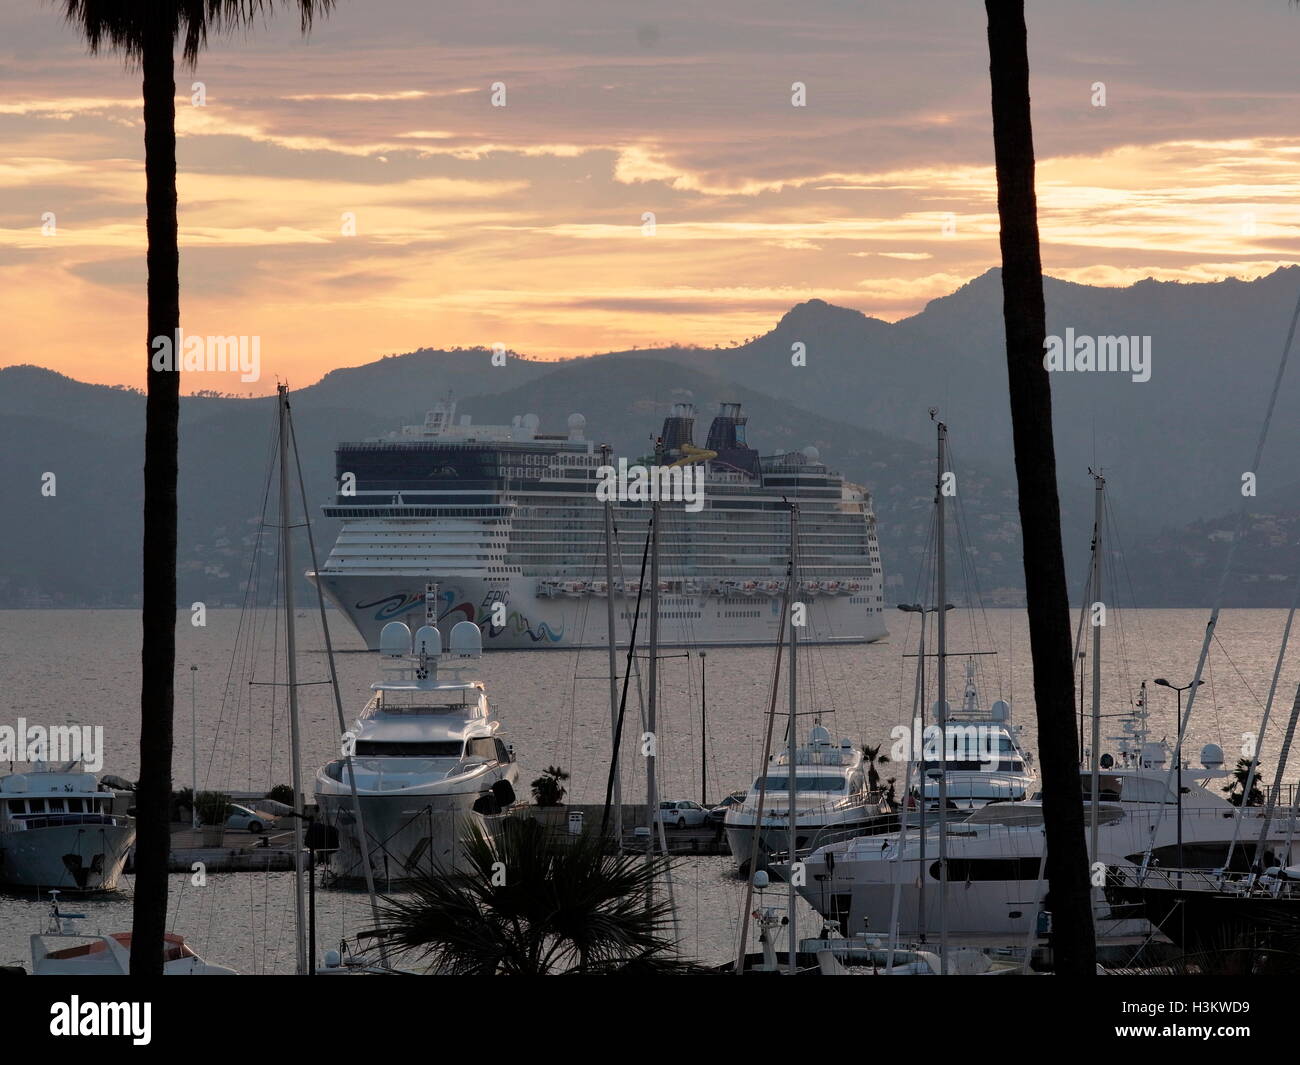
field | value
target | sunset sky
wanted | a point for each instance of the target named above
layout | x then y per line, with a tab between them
522	224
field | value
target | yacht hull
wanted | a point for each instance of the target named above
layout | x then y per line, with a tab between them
410	834
71	858
775	838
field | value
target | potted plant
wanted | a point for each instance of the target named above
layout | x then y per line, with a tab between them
548	794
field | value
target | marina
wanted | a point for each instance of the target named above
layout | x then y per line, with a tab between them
525	491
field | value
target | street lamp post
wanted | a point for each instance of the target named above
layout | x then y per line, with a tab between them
1178	756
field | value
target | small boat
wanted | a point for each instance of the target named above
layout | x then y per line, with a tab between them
63	950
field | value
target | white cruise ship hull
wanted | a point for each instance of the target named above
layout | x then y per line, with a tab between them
535	622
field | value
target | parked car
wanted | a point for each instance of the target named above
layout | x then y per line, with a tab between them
682	813
719	813
243	817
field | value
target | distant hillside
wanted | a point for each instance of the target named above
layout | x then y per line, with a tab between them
82	545
1173	448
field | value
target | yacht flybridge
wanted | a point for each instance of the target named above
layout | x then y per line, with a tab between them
429	764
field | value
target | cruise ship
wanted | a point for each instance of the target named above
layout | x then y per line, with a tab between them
506	520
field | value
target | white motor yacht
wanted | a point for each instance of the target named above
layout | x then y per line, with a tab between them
58	830
832	792
429	763
996	875
982	754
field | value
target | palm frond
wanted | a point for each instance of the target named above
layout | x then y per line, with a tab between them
529	904
123	26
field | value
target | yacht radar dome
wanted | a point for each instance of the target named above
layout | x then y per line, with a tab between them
428	641
1212	756
466	639
819	734
1000	710
812	454
395	640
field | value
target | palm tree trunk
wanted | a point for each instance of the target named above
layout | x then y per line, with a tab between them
162	411
1040	512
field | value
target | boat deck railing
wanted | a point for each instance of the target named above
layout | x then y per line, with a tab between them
29	822
1211	881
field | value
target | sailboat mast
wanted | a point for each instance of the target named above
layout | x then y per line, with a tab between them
612	640
941	607
791	775
290	650
1100	499
651	790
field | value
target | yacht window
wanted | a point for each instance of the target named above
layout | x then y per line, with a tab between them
17	806
1109	786
38	806
418	749
781	782
56	806
970	869
503	755
75	806
481	748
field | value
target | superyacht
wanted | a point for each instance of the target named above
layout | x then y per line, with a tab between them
431	768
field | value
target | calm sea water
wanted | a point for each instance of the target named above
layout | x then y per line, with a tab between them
81	667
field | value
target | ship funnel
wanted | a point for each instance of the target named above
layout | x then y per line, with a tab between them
728	428
678	430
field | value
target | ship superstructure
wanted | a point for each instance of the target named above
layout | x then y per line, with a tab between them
509	515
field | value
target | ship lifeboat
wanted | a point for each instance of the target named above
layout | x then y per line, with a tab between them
546	589
600	589
853	587
811	588
833	587
747	587
574	589
772	588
